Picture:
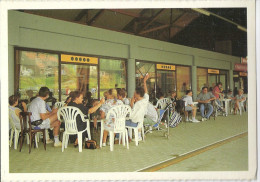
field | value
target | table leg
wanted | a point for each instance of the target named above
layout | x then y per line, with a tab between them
101	133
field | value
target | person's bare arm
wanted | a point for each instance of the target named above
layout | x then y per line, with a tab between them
145	86
94	108
24	106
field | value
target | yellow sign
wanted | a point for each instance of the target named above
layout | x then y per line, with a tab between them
165	67
242	74
78	59
213	71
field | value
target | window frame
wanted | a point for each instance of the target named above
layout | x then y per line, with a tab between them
16	67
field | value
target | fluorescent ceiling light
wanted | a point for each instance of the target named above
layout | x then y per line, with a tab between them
202	11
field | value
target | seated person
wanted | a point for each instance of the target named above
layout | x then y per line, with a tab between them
50	120
109	103
218	94
121	95
160	96
77	101
240	98
204	99
151	116
230	96
189	106
13	102
139	106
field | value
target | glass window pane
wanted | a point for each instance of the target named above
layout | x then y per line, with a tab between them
183	80
141	69
78	77
212	81
201	79
112	74
37	69
166	82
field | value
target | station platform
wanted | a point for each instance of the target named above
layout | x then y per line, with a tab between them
213	145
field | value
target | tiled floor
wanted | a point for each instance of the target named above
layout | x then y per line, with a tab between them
156	148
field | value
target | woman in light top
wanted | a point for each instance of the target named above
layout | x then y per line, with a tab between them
121	95
109	103
13	102
240	98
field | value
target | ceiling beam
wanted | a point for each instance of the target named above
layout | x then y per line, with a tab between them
95	18
183	21
154	29
151	20
125	13
81	14
134	20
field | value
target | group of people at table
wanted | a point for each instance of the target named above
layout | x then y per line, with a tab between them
141	108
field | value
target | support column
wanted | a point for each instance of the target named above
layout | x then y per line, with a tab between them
130	77
194	81
231	81
11	73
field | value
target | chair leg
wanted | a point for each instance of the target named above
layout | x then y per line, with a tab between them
123	138
136	136
21	141
44	139
89	135
36	140
30	145
11	137
126	138
63	142
111	138
66	140
16	136
80	141
120	137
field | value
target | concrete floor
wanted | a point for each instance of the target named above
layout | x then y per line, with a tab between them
186	137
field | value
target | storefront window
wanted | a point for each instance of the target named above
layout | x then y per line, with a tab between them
183	80
78	77
202	81
34	70
142	68
112	74
166	82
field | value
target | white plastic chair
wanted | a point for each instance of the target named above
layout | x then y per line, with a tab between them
118	114
241	106
162	103
139	126
59	104
69	114
14	131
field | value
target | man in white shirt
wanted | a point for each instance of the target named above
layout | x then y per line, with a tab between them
139	106
49	119
189	106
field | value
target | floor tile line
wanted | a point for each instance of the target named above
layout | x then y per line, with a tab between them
174	160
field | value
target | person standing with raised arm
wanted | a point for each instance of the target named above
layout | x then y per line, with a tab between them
139	106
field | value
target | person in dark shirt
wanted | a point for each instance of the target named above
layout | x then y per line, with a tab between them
76	101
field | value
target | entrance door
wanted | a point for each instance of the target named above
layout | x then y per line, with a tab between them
79	77
213	79
166	82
